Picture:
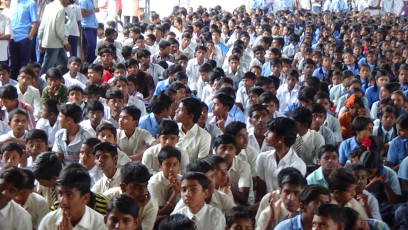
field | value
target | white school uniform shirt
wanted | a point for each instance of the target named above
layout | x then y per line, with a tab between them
196	142
218	200
207	94
156	71
208	217
266	214
336	92
103	184
285	97
249	155
122	159
212	120
151	161
267	169
5	28
96	174
159	188
354	204
13	216
241	177
334	125
31	97
79	80
37	207
51	132
134	145
90	220
4	128
200	87
254	143
310	145
193	73
242	97
10	134
373	205
86	125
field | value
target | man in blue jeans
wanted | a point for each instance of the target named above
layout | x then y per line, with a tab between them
89	28
24	24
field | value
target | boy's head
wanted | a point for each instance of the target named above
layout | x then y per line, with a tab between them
303	119
194	190
12	180
311	197
343	185
75	94
204	167
115	100
134	177
328	157
18	121
91	93
70	114
54	77
95	72
74	64
9	97
37	142
11	154
291	182
4	73
27	188
360	173
106	155
281	129
258	116
222	103
86	157
305	95
169	161
248	80
26	76
239	217
176	222
129	117
95	111
292	78
330	216
224	146
188	110
239	131
160	104
46	169
106	132
319	115
388	116
254	93
270	101
168	133
121	83
122	210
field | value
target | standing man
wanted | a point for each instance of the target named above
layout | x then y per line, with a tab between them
51	35
89	28
24	24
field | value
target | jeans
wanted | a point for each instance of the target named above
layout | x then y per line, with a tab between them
90	37
73	42
57	56
19	55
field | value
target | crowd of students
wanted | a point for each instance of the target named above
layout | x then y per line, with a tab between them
213	120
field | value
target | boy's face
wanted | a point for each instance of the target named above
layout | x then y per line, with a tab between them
63	120
403	76
241	139
54	83
119	72
86	157
118	220
241	223
133	70
276	69
7	192
211	181
204	76
364	72
388	120
193	193
200	54
170	167
18	123
10	158
325	222
257	72
347	195
25	79
75	97
107	136
74	67
106	59
218	108
361	176
105	160
253	98
182	113
271	106
310	208
71	200
290	196
233	64
126	121
123	87
329	161
95	117
137	190
259	119
4	76
115	105
221	174
36	146
308	69
318	120
168	140
336	79
291	81
94	76
248	83
226	151
22	196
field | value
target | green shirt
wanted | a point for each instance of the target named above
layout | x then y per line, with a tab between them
61	95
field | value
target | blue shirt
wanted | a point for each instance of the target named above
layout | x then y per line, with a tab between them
346	148
319	73
371	95
149	123
235	112
90	21
396	151
161	86
224	48
23	16
294	223
403	169
266	69
290	108
317	177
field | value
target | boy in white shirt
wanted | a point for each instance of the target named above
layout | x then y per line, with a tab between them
13	216
248	81
28	93
87	159
36	144
94	112
74	66
48	121
18	122
122	209
106	156
11	154
287	93
194	190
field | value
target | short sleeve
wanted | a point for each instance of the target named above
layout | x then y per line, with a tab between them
403	169
260	170
392	155
245	178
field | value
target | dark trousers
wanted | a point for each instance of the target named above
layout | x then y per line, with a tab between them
73	42
19	55
90	37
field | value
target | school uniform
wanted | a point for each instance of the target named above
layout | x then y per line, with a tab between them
159	188
334	125
266	214
336	92
86	125
151	161
13	216
207	217
354	204
327	135
285	97
346	148
135	143
196	142
310	144
95	173
254	143
249	155
397	150
317	177
50	194
37	207
240	176
106	183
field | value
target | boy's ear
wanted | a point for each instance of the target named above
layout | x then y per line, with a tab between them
115	159
340	226
159	165
123	187
318	162
86	198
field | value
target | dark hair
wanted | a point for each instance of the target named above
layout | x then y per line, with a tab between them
105	147
176	222
256	90
92	141
46	166
16	111
224	139
27	70
256	107
306	93
29	179
312	192
72	111
75	88
95	106
234	127
167	152
113	93
9	92
371	160
12	146
75	176
134	172
352	217
52	106
54	73
293	73
340	180
191	105
92	89
201	178
359	123
225	100
291	177
132	111
199	165
124	204
143	53
267	97
402	120
249	75
4	66
168	127
317	108
285	127
214	159
326	148
335	212
238	212
105	126
14	176
302	115
160	102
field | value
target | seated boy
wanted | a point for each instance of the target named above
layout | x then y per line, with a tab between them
46	169
69	139
328	159
342	185
6	76
37	141
18	121
122	83
133	182
122	210
238	170
114	102
74	66
177	221
48	121
95	72
330	216
55	88
222	103
13	215
203	215
32	202
319	115
248	81
271	102
164	186
160	108
167	136
87	159
11	154
131	140
74	193
106	157
76	96
213	130
94	112
28	93
239	217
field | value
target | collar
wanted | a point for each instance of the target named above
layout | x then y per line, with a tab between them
77	139
319	174
115	176
5	211
306	136
153	119
84	222
200	214
389	132
193	130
